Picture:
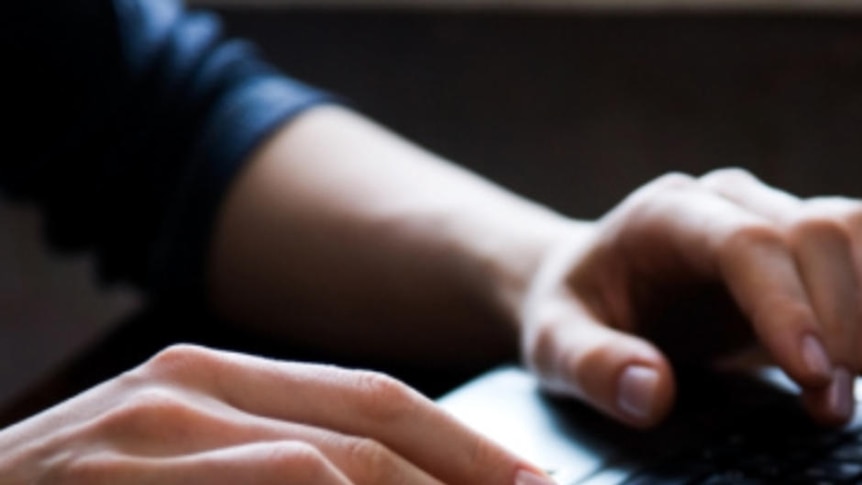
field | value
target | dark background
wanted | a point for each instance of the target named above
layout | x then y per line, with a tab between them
577	109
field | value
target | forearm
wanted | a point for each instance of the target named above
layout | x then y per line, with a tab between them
347	238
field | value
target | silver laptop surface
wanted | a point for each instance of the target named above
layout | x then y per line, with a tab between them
714	415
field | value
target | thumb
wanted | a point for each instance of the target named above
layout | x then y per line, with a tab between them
621	375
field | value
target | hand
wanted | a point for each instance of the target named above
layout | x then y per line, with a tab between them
699	268
192	415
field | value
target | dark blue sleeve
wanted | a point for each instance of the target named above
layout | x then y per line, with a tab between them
131	119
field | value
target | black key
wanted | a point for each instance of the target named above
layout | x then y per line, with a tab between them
809	481
851	452
649	479
731	477
672	473
832	470
767	466
722	454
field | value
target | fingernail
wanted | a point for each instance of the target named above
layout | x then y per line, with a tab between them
815	356
841	393
527	477
636	392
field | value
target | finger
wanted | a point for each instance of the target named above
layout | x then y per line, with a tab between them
746	190
822	246
763	278
838	221
749	255
624	376
823	249
355	403
831	405
164	423
778	319
259	463
363	460
825	262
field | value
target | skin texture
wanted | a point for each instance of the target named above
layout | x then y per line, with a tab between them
375	246
198	416
341	236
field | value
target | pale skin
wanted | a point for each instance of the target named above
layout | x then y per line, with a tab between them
385	249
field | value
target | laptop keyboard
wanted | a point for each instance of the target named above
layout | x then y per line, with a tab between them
765	456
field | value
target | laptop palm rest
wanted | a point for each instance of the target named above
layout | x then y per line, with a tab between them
579	445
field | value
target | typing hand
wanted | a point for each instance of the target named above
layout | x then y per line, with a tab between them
198	416
699	268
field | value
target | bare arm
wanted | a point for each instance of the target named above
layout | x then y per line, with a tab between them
343	236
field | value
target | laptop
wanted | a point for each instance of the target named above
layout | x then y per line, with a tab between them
743	429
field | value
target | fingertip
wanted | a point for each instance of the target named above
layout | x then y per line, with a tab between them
834	404
645	393
840	399
622	375
798	347
637	391
817	363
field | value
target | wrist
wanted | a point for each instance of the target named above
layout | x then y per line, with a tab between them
514	259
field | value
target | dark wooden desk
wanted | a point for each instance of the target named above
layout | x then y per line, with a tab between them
135	340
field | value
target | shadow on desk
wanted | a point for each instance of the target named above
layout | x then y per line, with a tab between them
138	338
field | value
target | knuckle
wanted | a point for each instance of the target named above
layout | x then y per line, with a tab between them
366	450
179	361
818	227
673	181
748	237
662	188
158	401
374	462
148	411
666	186
178	355
483	456
384	398
302	461
727	177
